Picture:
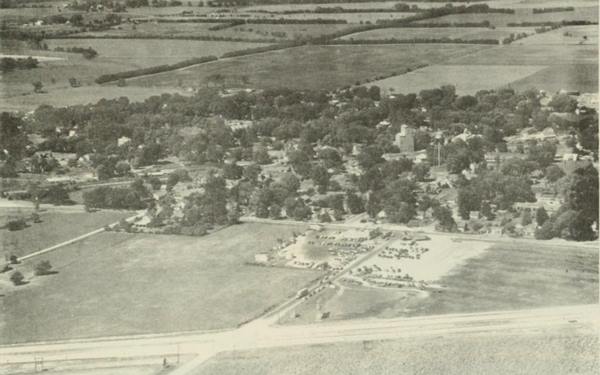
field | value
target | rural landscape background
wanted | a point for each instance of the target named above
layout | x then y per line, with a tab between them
299	187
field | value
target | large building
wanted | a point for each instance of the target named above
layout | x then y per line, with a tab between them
405	140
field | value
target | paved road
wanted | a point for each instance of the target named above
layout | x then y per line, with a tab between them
206	345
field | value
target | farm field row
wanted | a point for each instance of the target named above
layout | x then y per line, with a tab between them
507	277
114	55
190	29
468	79
151	52
349	17
150	29
553	351
521	15
466	33
366	5
531	55
574	77
316	67
469	67
117	284
515	4
572	35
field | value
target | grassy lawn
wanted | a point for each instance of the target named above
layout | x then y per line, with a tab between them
468	79
315	67
505	277
56	227
115	284
553	352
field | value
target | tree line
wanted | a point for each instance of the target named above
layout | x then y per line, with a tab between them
258	21
174	37
551	10
153	70
413	41
8	64
88	53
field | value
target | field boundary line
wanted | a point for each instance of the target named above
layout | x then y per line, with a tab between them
220	59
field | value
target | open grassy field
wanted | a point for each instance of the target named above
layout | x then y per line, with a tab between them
552	352
466	33
468	79
530	55
145	54
291	31
578	35
161	30
62	97
116	283
315	67
521	15
579	77
349	17
249	32
56	227
516	4
115	55
505	277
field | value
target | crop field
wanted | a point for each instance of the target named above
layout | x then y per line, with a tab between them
145	54
530	55
521	15
115	55
291	31
159	30
421	5
507	277
467	33
468	79
517	4
579	35
577	77
249	32
349	17
56	227
315	67
62	97
554	351
117	283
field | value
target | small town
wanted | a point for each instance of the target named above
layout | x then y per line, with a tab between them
299	187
